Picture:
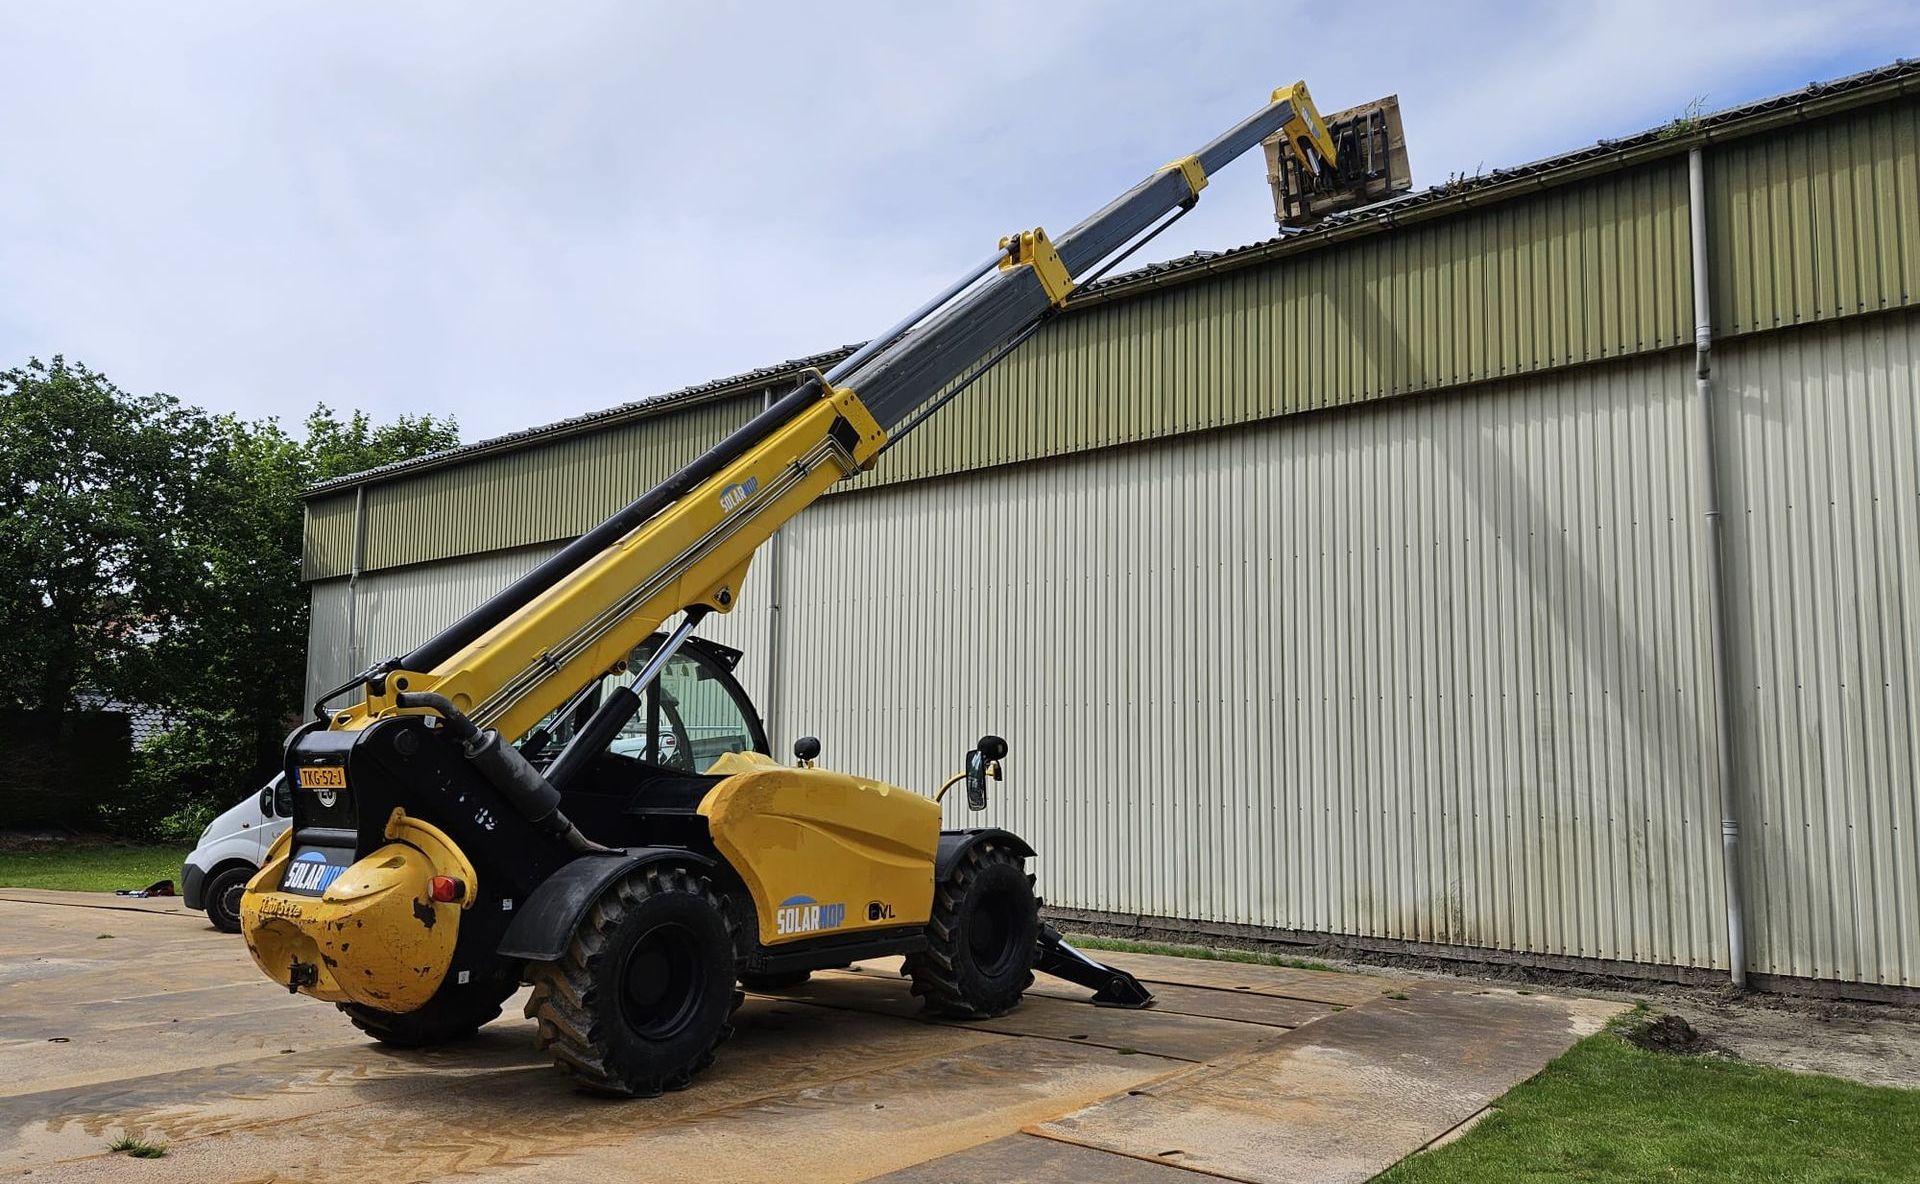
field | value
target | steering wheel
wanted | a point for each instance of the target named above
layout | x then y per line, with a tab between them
681	758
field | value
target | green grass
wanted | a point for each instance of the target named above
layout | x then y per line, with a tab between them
128	1145
1608	1112
90	867
1124	946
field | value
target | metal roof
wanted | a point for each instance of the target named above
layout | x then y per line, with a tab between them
1813	101
651	405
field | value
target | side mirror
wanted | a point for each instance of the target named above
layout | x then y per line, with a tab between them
983	763
806	750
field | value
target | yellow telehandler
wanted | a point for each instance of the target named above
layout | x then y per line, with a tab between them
565	788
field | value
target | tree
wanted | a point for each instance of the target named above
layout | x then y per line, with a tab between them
337	447
151	553
247	639
95	567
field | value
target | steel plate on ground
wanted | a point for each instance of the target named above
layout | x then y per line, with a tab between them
1342	1099
1319	986
1183	1037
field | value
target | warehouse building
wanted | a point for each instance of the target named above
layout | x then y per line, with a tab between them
1357	585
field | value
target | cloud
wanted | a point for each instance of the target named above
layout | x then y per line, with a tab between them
512	213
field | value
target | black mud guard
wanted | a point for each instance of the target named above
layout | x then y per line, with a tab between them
954	844
544	925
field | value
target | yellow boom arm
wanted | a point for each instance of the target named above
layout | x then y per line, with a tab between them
685	546
694	553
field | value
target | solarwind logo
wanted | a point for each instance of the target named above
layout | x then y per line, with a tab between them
310	872
802	914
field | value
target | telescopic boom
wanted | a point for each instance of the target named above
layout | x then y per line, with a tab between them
684	546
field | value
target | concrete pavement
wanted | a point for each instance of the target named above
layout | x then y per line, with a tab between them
136	1018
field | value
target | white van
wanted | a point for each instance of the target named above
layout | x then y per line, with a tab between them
230	851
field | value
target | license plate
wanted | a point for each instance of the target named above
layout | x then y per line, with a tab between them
313	869
322	777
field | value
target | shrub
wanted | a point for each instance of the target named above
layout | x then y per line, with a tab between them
184	776
184	825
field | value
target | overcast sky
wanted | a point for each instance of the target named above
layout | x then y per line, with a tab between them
517	212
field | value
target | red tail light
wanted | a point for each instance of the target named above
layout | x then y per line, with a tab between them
446	889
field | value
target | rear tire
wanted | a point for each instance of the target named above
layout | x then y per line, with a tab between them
982	938
455	1012
644	993
222	896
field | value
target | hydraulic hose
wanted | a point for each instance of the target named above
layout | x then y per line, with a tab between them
530	794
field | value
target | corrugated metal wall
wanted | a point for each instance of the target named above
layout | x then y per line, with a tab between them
327	539
1822	491
1429	671
1819	222
1423	671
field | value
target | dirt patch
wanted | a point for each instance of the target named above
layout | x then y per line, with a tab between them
1875	1044
1668	1033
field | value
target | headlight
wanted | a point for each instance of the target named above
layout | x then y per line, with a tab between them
203	835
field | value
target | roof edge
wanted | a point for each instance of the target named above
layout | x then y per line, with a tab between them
706	392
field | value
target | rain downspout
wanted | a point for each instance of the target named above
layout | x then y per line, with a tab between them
353	578
1705	454
770	702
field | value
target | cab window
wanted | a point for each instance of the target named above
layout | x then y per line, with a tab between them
692	717
691	714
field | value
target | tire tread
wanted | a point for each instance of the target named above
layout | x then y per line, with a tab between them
935	974
565	993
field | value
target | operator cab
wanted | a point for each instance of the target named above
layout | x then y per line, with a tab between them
655	770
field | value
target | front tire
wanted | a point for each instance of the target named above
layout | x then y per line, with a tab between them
982	938
644	993
222	895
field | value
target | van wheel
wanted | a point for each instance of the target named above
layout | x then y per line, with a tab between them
222	895
644	993
455	1012
983	936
